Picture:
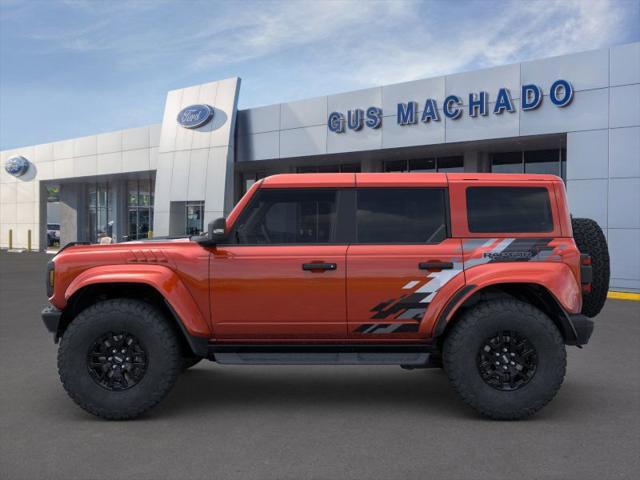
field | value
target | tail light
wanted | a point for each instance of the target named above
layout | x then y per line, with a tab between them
586	272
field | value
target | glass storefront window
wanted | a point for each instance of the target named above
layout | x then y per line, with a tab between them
350	168
194	218
451	164
140	206
542	161
423	165
508	162
551	161
344	168
132	193
145	193
248	179
53	193
396	166
437	164
100	212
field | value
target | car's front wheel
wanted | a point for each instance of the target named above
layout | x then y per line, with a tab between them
505	358
119	358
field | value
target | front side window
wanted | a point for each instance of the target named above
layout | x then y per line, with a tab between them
400	215
509	210
276	217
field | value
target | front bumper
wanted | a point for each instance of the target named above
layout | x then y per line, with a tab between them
51	317
583	328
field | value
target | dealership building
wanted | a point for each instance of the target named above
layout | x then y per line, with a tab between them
575	116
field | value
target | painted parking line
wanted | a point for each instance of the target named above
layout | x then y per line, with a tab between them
624	296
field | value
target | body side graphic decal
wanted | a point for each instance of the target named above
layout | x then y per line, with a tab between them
413	305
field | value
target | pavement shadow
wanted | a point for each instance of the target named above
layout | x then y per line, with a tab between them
212	388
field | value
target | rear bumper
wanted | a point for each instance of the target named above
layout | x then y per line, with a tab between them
51	319
583	328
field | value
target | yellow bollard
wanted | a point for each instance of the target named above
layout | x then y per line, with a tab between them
29	240
10	239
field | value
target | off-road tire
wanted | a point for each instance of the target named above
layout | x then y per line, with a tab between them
160	342
463	343
590	239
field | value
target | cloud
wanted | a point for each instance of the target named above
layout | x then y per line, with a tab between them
106	55
287	26
506	35
382	40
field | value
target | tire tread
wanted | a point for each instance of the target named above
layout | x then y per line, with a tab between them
590	239
468	326
154	321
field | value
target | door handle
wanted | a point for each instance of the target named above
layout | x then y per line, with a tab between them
319	266
435	265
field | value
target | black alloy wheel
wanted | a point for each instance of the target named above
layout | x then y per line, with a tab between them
117	361
507	361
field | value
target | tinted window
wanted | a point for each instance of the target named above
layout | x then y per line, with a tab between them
509	162
422	165
395	166
451	164
542	161
508	210
389	215
288	216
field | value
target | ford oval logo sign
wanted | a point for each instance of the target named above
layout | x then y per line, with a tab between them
17	166
195	116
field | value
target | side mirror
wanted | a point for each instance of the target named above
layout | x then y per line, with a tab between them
216	233
217	230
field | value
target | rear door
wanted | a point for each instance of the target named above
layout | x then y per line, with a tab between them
401	260
283	277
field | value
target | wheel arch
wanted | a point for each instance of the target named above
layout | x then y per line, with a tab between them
175	302
533	293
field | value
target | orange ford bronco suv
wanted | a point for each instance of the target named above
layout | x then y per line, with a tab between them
484	275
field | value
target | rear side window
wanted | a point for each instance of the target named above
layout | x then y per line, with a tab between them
288	216
509	210
390	215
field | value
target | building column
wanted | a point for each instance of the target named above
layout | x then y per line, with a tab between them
43	219
369	165
73	210
475	161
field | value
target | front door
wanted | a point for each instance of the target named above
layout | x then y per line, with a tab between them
401	259
283	275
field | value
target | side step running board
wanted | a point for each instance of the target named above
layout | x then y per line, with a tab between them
406	355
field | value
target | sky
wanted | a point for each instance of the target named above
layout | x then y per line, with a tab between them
81	67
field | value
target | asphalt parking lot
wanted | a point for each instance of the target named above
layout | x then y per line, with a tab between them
320	422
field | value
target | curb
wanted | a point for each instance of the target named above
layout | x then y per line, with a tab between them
624	296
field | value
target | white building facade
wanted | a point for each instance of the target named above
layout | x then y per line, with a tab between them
576	116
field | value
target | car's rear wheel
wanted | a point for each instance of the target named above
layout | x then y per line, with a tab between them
119	358
505	358
590	239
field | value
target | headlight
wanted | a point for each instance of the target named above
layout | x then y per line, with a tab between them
51	276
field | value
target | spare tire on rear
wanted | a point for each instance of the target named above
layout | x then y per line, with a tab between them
590	240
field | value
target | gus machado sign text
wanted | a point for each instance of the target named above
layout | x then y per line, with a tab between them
560	95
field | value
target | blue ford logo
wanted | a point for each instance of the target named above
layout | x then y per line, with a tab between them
16	166
195	116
